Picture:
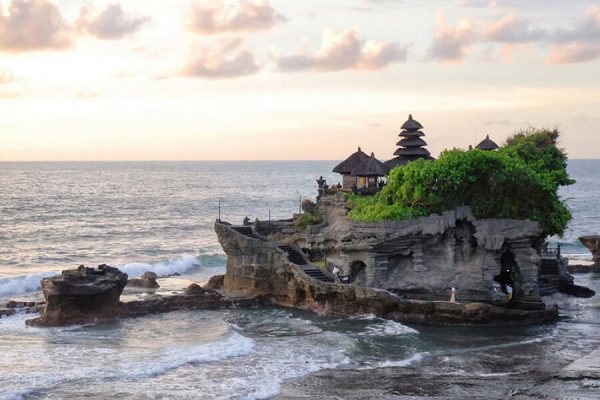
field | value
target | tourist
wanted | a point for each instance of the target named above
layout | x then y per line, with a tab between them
453	295
509	291
336	274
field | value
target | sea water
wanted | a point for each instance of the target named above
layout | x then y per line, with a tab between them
158	216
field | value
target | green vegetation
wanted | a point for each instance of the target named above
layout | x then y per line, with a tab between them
306	219
520	181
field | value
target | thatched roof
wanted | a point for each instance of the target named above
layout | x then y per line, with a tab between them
412	151
412	142
487	144
346	166
411	124
370	167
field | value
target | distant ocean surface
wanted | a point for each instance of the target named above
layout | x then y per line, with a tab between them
159	216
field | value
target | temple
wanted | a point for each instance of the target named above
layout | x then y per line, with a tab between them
487	144
411	146
361	174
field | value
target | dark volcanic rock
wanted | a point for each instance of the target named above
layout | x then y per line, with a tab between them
215	282
147	281
583	269
208	300
27	307
194	289
81	295
592	242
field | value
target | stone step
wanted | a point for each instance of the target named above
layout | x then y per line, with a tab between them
246	231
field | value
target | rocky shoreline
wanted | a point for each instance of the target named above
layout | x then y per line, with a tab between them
89	295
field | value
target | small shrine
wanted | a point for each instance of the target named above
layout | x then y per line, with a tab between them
368	172
487	144
346	167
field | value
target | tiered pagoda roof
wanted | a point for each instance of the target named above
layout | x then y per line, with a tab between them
411	146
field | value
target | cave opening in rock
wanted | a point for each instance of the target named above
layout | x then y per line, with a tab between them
508	271
358	273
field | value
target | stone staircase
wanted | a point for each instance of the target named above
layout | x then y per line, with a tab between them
246	231
293	255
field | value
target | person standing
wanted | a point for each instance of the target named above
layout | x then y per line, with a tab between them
453	295
336	274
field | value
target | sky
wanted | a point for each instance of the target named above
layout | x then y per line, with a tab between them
290	79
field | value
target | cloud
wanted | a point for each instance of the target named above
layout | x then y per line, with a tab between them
228	59
112	23
511	29
575	44
215	16
580	43
27	25
342	50
574	53
587	28
451	44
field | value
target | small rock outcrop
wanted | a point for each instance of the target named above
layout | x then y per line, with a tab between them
81	295
194	290
593	244
215	282
147	281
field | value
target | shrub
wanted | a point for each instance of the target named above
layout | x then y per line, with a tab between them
520	181
306	219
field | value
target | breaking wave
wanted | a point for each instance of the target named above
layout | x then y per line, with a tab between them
22	284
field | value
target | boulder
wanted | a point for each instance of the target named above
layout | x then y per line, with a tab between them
81	295
215	282
147	281
592	242
194	289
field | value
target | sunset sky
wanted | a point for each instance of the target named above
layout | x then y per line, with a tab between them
291	79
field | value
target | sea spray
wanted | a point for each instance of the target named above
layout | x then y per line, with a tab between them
23	284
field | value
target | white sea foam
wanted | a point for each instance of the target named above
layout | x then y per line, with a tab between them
22	284
388	328
397	363
179	265
171	358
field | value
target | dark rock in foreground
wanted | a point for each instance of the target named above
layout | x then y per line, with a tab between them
86	295
583	269
195	298
81	295
147	281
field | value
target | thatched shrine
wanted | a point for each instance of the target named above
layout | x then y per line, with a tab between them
411	146
487	144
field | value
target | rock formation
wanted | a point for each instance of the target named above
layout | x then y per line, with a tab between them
593	244
86	295
81	295
257	267
425	257
147	281
215	282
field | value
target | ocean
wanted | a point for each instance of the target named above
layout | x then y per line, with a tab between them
158	216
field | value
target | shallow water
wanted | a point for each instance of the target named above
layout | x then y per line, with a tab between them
159	216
